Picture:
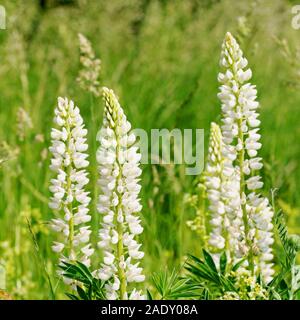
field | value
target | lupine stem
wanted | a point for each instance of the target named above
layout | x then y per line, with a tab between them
120	253
120	247
241	160
203	211
94	166
70	205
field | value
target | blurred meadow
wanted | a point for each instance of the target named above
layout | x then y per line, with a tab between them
162	60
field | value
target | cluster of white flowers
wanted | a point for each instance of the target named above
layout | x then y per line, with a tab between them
222	185
213	182
240	126
69	196
119	171
88	77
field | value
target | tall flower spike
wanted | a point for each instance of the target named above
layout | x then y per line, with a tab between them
69	196
240	126
213	181
88	77
222	184
119	170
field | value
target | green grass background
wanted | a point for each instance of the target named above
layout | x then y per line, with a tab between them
161	58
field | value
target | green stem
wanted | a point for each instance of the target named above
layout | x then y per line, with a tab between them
93	167
202	212
120	247
120	253
226	233
70	207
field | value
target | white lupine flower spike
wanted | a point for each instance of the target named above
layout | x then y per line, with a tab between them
222	184
70	199
119	202
240	130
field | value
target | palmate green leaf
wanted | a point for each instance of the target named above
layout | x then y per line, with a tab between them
84	271
77	271
183	289
77	277
171	286
88	287
199	271
206	271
